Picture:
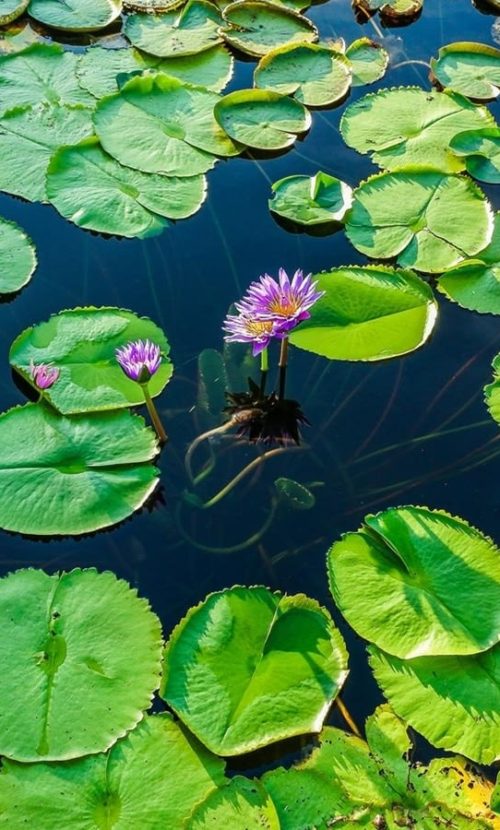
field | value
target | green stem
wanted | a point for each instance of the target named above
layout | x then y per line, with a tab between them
244	472
198	440
264	368
247	543
283	362
153	414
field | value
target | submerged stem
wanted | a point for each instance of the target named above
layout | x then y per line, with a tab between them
153	414
344	711
283	362
199	439
244	472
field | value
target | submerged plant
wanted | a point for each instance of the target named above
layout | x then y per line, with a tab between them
140	360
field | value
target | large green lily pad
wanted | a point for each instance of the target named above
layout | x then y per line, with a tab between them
369	61
17	257
67	476
255	27
473	69
408	125
311	200
76	15
81	343
83	644
189	31
315	75
261	119
397	10
492	391
12	9
157	124
421	575
151	779
240	804
481	151
368	313
249	667
94	191
429	220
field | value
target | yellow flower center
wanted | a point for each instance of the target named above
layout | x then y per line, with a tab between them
285	308
258	327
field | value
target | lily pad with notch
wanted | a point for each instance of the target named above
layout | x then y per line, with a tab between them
75	15
188	31
17	257
255	27
481	151
261	119
311	200
473	69
396	11
314	74
369	61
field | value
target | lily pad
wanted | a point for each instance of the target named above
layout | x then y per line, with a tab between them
315	75
76	475
429	220
475	283
368	313
408	125
296	495
261	119
421	575
94	191
82	636
492	391
311	200
157	124
369	61
453	701
151	6
255	27
397	10
240	804
186	32
17	257
153	778
76	15
12	9
473	69
481	151
273	663
81	343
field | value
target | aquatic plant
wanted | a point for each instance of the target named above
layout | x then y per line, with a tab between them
44	375
18	259
140	360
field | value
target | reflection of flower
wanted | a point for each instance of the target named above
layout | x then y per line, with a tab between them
44	375
139	360
286	303
245	329
265	418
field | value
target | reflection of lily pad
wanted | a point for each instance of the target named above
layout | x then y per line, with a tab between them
368	61
481	151
287	662
94	191
473	69
313	74
81	342
186	32
428	220
392	9
492	391
409	125
368	313
421	575
75	15
311	200
261	119
12	9
17	257
255	27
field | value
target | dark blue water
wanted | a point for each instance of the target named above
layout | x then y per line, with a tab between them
413	430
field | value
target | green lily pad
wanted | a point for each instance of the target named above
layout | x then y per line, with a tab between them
428	220
17	257
261	119
473	69
82	636
408	125
296	495
369	61
273	663
433	568
75	15
28	138
94	191
311	200
492	391
12	9
255	27
151	779
157	124
315	75
81	343
151	6
481	151
186	32
475	283
76	475
453	701
392	9
98	68
240	804
368	313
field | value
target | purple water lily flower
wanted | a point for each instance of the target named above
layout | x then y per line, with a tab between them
241	328
139	360
286	302
44	375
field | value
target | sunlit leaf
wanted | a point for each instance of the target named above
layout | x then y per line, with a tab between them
397	10
481	152
492	391
75	15
473	69
262	119
240	804
311	200
12	9
369	61
17	257
177	33
315	75
255	27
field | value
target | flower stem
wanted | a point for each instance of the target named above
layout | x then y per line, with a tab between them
198	440
264	368
283	362
344	711
153	414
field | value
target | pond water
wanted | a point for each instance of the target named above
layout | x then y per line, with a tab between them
413	430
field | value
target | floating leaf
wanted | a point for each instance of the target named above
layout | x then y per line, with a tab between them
315	75
311	200
492	391
453	701
295	494
18	36
368	313
409	125
433	568
81	343
151	779
261	119
428	220
392	9
240	804
475	283
151	6
473	69
186	32
76	15
157	124
287	662
12	9
481	151
255	27
369	61
82	636
76	475
17	257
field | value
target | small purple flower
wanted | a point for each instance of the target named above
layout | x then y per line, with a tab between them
241	328
43	375
139	360
286	302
